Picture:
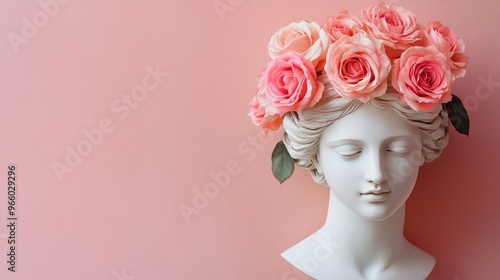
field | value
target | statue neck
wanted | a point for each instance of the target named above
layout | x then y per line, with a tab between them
364	241
351	246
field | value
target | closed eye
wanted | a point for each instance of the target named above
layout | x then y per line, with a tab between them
350	154
348	151
398	150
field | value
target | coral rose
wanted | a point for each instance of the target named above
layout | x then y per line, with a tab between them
289	83
342	24
307	39
259	117
423	78
357	67
450	44
395	26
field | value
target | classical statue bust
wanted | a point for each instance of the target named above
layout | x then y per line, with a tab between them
363	105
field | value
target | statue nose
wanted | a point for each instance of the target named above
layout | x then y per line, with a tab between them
376	171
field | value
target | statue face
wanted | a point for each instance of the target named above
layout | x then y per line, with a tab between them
370	159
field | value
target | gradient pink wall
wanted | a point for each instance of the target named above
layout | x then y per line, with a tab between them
167	136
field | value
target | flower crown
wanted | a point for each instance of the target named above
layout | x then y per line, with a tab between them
359	59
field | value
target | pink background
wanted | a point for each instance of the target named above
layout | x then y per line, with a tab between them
116	214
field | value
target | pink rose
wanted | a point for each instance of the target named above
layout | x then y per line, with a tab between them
395	26
307	39
289	83
341	24
357	67
423	78
450	44
259	117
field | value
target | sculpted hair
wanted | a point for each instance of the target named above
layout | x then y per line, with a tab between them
303	129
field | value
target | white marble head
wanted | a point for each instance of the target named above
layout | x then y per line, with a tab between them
370	160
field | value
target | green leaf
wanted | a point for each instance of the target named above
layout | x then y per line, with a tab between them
282	163
458	115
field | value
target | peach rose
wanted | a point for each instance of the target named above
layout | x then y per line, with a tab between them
395	26
357	67
450	44
423	78
307	39
289	83
341	24
259	117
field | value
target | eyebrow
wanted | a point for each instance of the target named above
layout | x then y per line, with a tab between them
406	137
342	142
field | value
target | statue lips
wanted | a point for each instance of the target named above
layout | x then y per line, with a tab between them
376	192
376	195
